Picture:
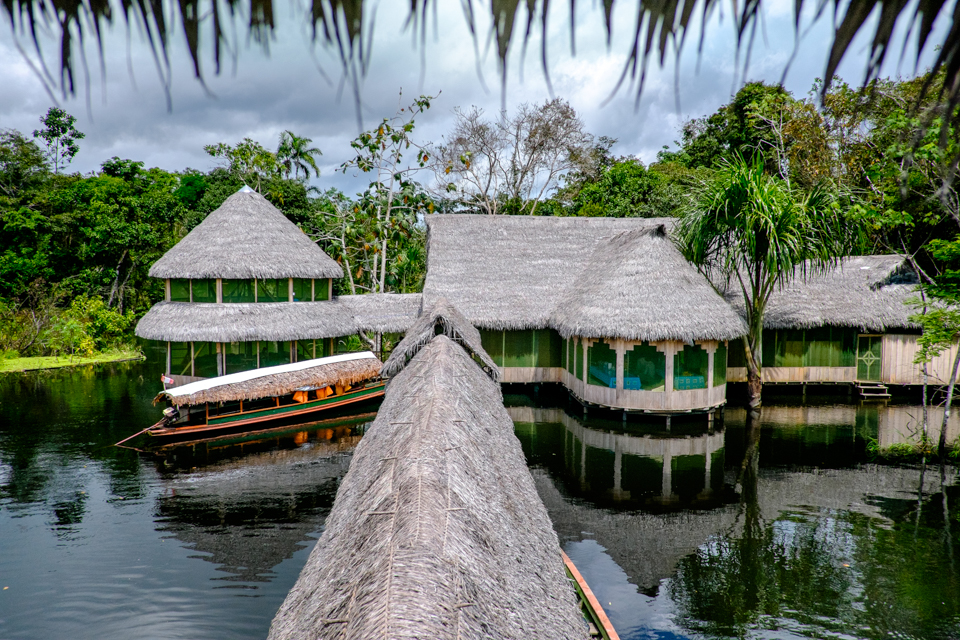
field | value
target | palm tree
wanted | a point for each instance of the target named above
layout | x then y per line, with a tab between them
748	232
295	154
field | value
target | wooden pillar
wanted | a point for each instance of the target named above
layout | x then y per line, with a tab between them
710	346
221	359
168	344
192	356
669	349
219	291
621	347
166	292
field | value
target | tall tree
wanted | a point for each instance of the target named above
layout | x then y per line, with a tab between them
248	160
294	154
509	164
748	232
60	136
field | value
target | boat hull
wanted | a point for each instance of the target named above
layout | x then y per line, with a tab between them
263	418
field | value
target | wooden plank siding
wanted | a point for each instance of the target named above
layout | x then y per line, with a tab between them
897	367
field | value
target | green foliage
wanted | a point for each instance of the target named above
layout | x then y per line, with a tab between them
60	136
628	189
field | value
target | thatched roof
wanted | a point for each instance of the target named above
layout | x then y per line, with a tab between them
245	322
266	382
866	292
246	237
637	286
510	272
437	531
441	318
383	312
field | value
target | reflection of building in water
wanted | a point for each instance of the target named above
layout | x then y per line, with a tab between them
649	469
250	513
888	424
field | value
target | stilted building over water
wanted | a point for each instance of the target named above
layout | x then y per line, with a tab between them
607	307
247	289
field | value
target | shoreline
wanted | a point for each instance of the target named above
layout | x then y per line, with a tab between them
44	363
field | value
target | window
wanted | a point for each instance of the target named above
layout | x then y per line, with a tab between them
518	349
302	290
818	347
205	359
240	356
204	290
690	368
735	354
321	289
179	290
273	290
644	368
237	290
305	350
273	352
180	364
564	352
578	361
720	365
492	343
602	365
547	345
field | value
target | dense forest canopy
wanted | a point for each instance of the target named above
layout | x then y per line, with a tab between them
75	249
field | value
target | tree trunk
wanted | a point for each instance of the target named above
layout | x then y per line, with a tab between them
754	379
942	445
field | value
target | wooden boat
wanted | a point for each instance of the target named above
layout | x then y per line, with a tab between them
601	626
260	397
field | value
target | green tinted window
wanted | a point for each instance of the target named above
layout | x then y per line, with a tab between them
735	354
179	290
602	365
321	289
324	347
273	290
240	356
204	290
205	359
644	368
572	356
180	359
492	343
302	290
690	368
273	353
564	349
305	350
548	346
768	354
830	347
720	365
518	349
237	290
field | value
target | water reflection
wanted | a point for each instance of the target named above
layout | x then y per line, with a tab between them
796	535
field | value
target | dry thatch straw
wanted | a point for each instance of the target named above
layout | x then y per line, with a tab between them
442	318
246	237
277	381
510	272
383	312
437	531
866	292
637	286
246	322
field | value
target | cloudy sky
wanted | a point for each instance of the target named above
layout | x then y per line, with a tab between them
258	95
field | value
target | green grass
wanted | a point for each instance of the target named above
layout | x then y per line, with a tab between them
54	362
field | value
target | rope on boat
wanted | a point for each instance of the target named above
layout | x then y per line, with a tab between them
117	444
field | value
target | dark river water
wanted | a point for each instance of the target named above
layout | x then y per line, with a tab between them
779	530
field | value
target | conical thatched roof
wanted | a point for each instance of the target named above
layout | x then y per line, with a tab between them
437	531
246	237
637	286
441	318
510	272
865	292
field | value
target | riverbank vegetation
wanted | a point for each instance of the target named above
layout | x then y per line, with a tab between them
75	250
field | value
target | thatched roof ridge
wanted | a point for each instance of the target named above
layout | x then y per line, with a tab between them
245	322
246	237
442	318
383	312
509	272
865	292
266	382
437	531
637	286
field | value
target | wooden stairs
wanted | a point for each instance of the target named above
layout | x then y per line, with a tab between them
872	390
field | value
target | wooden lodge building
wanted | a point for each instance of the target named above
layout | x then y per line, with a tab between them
247	289
606	307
